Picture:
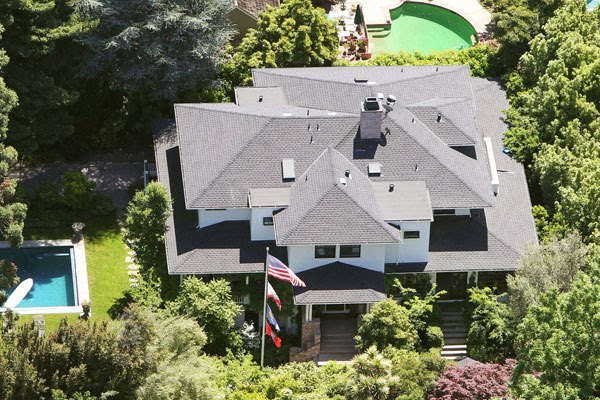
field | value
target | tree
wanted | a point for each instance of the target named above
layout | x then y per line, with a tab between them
156	49
475	381
295	34
39	40
491	331
372	377
422	316
103	359
560	338
554	116
8	278
12	214
146	221
552	265
388	324
212	306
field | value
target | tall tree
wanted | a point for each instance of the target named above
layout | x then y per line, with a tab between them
38	39
554	119
12	214
552	265
295	34
560	339
147	215
157	49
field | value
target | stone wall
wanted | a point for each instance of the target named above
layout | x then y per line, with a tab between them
310	342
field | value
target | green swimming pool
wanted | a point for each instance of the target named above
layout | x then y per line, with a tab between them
424	28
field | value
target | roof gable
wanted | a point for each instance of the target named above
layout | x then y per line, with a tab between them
329	206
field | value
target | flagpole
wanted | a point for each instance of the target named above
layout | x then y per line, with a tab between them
262	346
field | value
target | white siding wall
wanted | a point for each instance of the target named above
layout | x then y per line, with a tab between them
411	250
258	231
372	256
211	217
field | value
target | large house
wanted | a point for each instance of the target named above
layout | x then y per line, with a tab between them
347	174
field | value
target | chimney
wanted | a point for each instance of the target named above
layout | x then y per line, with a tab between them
371	115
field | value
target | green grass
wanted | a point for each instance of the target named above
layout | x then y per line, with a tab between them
105	255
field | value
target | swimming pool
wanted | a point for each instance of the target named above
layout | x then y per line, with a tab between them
422	27
591	4
52	270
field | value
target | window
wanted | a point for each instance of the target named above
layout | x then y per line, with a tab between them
350	251
267	221
412	234
324	251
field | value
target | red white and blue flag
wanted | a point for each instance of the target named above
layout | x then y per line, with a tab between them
276	339
273	296
279	270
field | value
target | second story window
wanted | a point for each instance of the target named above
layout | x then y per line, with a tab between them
267	221
350	251
412	234
324	251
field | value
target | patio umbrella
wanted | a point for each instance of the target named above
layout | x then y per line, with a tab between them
358	16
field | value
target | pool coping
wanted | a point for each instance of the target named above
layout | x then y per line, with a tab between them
471	10
81	277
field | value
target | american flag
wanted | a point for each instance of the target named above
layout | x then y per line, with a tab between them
279	270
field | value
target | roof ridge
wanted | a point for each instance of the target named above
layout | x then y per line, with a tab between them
458	68
436	158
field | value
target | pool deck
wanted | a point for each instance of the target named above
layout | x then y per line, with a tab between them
377	13
82	289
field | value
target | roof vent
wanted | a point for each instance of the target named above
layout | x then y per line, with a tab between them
260	99
374	169
439	117
343	181
288	171
347	173
380	96
391	187
360	80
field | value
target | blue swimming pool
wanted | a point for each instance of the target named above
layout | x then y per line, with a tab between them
591	4
52	273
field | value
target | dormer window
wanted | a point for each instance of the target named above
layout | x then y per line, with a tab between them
267	221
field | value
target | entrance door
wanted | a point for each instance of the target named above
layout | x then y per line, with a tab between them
454	283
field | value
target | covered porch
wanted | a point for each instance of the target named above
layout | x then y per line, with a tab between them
335	297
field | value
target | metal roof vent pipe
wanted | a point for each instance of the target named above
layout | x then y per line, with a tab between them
439	117
391	187
260	99
371	115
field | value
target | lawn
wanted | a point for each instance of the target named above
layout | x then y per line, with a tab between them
107	270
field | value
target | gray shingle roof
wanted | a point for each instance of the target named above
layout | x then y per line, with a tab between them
407	201
223	248
449	118
250	158
328	207
339	283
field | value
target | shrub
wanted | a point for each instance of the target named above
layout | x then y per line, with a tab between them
387	324
492	331
434	337
475	381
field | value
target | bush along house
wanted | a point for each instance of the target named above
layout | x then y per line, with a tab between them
348	174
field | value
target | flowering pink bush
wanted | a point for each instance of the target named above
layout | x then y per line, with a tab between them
476	381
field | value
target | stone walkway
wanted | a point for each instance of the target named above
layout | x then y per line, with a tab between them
133	270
